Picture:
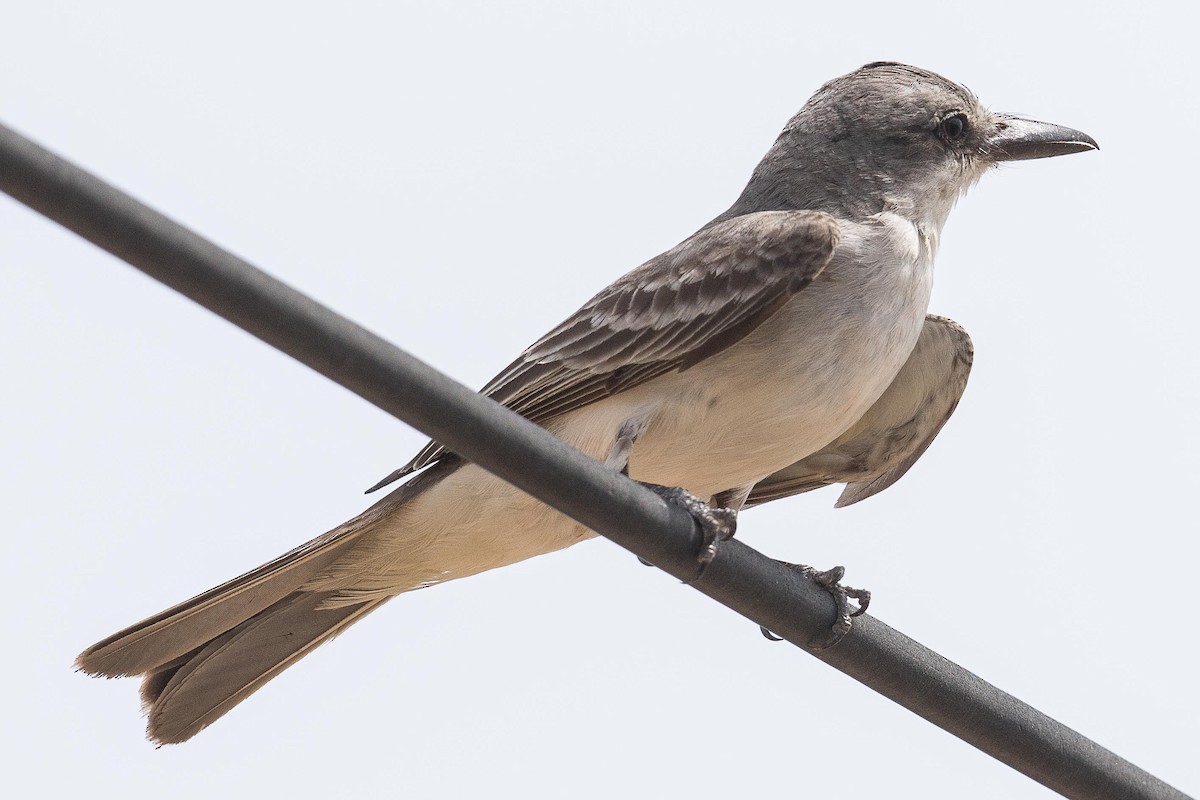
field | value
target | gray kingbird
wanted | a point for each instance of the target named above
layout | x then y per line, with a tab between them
784	346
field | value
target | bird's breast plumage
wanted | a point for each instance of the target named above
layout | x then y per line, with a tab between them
802	378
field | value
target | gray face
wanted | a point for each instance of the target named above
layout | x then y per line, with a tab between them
893	137
891	118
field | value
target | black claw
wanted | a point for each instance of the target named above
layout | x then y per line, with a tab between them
830	581
863	596
770	636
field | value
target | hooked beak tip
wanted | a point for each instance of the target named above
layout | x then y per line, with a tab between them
1018	139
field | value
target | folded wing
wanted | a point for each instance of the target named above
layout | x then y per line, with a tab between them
877	450
681	307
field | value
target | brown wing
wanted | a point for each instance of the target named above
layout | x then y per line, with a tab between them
679	308
895	431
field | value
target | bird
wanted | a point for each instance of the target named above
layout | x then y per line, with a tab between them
785	346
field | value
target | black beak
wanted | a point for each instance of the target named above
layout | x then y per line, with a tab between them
1017	139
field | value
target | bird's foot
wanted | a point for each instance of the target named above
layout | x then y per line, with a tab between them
830	581
716	524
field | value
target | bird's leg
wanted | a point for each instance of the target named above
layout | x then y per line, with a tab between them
622	446
830	581
716	524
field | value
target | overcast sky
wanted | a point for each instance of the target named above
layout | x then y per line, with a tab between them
460	177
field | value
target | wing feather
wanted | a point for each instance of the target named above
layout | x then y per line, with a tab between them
679	308
895	431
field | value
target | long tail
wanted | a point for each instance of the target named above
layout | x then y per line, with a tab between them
204	656
185	696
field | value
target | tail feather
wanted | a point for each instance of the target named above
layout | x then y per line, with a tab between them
205	655
172	633
184	697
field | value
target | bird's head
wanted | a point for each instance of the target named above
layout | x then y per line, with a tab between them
890	137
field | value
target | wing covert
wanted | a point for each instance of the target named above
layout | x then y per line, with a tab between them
679	308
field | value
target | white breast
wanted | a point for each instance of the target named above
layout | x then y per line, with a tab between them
798	381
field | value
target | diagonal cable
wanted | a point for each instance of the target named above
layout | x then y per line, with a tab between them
525	455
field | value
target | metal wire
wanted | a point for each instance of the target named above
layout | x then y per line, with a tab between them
527	456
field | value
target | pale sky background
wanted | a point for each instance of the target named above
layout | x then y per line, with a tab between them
422	168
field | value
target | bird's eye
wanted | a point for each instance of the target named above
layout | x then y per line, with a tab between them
954	127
